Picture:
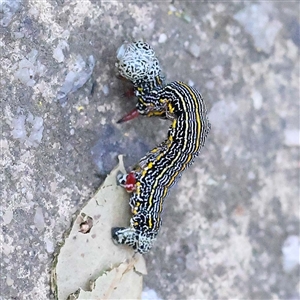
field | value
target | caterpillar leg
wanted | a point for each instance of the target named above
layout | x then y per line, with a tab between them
130	237
127	181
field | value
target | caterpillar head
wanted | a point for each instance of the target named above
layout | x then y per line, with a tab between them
137	62
150	105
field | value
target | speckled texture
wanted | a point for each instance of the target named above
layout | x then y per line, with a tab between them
231	215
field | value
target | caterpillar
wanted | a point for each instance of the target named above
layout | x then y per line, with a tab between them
151	179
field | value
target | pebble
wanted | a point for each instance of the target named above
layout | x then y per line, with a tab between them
8	216
80	73
28	68
58	54
58	51
291	253
4	145
36	131
292	137
191	82
29	195
194	49
162	38
211	181
149	294
105	90
251	175
18	127
172	8
39	221
49	245
257	99
18	35
9	281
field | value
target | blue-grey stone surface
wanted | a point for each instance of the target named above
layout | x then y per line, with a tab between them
231	226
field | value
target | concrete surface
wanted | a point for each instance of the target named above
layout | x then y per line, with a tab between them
231	226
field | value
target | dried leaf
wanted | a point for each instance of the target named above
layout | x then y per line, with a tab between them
93	257
119	283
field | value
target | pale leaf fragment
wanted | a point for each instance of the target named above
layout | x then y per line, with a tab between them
92	256
116	284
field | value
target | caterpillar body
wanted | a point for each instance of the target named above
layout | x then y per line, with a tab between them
151	179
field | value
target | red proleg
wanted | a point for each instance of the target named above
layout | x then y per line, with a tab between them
130	182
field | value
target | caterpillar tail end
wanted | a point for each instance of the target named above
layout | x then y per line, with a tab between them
131	115
115	236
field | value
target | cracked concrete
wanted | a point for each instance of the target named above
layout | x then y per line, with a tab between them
231	226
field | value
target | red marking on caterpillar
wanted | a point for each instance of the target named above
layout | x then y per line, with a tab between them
130	182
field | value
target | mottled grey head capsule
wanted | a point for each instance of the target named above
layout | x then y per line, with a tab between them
137	61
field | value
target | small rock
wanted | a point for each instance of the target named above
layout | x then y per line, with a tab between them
172	8
7	217
149	294
37	129
9	281
79	74
39	221
105	90
257	99
194	49
58	54
19	130
162	38
251	175
291	253
4	145
49	245
211	181
58	51
191	82
292	137
18	126
29	195
18	35
28	68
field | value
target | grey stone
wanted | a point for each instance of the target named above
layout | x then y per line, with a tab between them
194	49
226	222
